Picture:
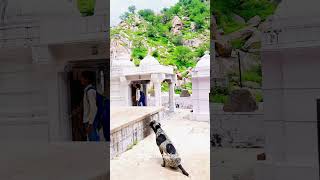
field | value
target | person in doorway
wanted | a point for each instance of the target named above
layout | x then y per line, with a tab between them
89	106
138	94
142	101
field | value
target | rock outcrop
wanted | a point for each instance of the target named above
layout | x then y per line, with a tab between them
177	25
223	47
255	21
240	100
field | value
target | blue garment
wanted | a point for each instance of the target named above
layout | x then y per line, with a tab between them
93	135
142	100
102	117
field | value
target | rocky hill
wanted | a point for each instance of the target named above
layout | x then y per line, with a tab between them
176	36
237	28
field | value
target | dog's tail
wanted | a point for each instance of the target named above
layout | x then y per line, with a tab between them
183	171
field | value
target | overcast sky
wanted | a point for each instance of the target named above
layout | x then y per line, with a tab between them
118	7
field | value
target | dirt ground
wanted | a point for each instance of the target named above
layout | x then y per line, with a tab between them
143	161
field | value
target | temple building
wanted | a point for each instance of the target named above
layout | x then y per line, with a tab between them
290	65
43	51
201	89
149	75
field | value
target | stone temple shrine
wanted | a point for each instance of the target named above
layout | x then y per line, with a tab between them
201	89
291	87
124	76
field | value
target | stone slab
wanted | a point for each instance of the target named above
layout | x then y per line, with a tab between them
123	116
46	161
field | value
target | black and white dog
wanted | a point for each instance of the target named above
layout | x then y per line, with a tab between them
169	154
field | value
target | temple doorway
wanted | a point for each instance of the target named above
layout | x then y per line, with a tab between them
76	92
143	84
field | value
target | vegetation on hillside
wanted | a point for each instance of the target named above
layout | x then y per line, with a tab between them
146	30
225	9
224	12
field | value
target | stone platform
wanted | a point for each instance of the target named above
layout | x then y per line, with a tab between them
128	125
50	161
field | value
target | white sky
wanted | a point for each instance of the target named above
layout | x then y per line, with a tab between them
118	7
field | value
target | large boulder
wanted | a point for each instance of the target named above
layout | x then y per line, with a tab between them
240	100
255	21
266	25
214	27
177	25
238	19
192	42
184	93
249	60
254	42
193	26
242	34
223	47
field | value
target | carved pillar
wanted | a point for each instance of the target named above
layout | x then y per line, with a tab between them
145	90
125	90
171	97
157	79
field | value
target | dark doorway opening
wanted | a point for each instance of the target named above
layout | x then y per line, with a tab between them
143	87
100	72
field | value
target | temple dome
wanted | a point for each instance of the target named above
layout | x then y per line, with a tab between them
204	62
122	61
149	61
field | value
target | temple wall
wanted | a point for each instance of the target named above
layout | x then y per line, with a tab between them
131	133
238	129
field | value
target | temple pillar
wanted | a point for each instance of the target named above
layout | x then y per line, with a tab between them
172	106
157	79
145	89
125	90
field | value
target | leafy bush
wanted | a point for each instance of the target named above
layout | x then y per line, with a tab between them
183	57
251	76
187	86
124	16
199	52
138	54
219	98
177	90
251	8
259	96
132	9
220	90
164	87
177	40
238	43
254	75
224	10
147	14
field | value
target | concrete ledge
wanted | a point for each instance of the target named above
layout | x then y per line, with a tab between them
63	161
129	125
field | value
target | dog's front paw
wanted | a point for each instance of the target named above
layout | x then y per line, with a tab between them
163	164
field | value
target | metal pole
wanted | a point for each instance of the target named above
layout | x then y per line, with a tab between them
240	76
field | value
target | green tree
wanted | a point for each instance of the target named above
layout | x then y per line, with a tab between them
147	14
132	9
183	57
124	16
138	53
